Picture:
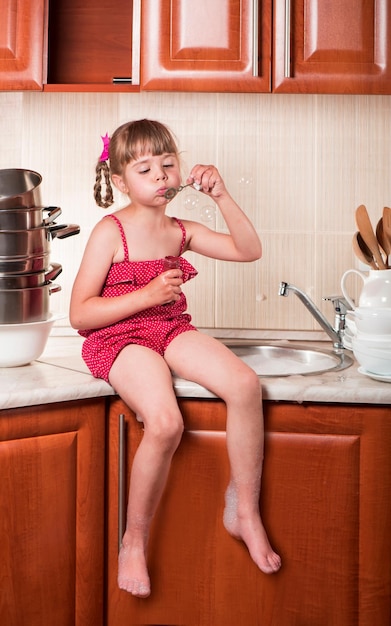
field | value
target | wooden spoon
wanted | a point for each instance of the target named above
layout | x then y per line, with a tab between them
368	235
383	240
362	251
387	225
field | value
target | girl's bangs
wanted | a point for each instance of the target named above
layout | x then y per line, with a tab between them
150	140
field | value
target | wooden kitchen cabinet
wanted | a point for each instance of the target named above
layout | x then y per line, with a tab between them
22	29
332	46
318	46
185	45
325	502
281	46
93	45
198	45
52	514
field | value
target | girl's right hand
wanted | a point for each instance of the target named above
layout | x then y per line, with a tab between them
166	287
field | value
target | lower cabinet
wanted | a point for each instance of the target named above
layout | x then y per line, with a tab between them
326	504
52	514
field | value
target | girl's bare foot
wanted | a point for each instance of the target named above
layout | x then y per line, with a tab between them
250	530
132	572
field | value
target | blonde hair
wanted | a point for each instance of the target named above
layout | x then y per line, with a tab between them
128	142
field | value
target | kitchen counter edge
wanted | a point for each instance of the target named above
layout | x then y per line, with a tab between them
60	375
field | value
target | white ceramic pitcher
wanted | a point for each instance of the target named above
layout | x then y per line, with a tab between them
376	291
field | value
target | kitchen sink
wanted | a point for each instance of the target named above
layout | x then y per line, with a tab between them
278	359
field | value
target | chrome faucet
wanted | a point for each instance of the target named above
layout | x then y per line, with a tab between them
340	308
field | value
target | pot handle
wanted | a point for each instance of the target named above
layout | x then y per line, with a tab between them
53	288
343	286
54	213
61	231
54	270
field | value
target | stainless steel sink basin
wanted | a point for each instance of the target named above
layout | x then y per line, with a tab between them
286	360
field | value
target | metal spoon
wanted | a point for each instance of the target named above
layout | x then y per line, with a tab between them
362	251
368	235
172	191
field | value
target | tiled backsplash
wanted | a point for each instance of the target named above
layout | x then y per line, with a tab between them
298	165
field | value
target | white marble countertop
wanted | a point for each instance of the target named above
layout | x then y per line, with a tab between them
60	375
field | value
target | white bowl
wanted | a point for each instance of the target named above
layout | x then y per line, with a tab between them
371	320
382	341
381	346
350	322
373	357
22	343
373	339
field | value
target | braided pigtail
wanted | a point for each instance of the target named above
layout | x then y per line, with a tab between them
103	174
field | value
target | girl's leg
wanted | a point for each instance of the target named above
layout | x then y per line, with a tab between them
204	360
142	379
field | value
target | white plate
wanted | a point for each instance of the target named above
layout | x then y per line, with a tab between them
381	377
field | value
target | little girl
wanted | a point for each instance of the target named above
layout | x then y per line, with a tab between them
132	312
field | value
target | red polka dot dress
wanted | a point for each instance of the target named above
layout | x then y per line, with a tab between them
154	328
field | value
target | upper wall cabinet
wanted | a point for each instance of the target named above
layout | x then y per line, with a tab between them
199	45
332	46
22	26
281	46
93	45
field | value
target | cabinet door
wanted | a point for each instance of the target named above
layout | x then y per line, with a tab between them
199	45
332	46
52	514
188	545
330	470
325	503
21	44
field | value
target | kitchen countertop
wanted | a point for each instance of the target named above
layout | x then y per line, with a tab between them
61	375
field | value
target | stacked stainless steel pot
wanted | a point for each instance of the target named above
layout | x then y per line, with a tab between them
26	231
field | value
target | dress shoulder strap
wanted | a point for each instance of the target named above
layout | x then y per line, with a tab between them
121	230
183	229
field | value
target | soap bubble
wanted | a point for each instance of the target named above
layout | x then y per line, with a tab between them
245	180
208	213
191	201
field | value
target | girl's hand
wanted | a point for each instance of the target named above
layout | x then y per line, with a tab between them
165	288
209	178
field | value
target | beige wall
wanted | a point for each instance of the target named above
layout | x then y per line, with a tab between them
298	165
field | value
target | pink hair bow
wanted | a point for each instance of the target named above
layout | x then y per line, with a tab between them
105	153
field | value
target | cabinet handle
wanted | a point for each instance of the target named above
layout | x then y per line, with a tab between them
287	56
121	478
122	80
255	38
